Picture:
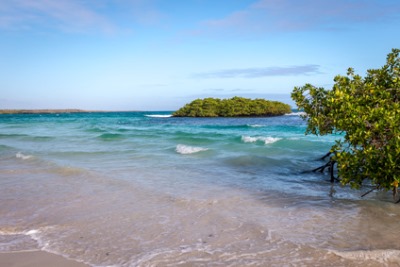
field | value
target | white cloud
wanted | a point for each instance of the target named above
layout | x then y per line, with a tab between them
68	15
106	16
299	15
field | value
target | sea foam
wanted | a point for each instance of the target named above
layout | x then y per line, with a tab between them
184	150
12	240
300	113
19	155
255	125
159	116
380	255
267	140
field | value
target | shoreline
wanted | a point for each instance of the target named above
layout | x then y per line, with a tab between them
41	111
54	111
36	259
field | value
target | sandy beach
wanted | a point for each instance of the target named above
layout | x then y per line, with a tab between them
36	259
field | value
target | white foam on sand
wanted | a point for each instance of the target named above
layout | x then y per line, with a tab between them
35	235
12	241
380	255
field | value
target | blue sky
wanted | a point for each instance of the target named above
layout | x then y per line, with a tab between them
161	54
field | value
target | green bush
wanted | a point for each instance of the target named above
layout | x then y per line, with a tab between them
367	112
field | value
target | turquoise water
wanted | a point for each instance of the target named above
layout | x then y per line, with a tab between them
147	189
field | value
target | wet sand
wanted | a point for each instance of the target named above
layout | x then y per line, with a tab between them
36	259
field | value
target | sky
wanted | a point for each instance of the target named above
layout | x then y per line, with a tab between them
162	54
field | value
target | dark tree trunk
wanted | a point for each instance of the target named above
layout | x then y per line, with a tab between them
330	165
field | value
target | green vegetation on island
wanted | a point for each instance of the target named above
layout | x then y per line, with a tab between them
233	107
366	111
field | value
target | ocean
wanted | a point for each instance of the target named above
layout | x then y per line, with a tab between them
148	189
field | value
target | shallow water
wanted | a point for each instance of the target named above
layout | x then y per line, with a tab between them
139	189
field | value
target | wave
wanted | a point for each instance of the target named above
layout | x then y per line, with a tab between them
19	155
111	136
31	233
13	241
4	147
95	130
184	150
255	125
158	116
379	255
299	113
12	135
27	137
267	140
232	126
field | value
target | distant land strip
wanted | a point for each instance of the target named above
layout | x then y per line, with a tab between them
49	111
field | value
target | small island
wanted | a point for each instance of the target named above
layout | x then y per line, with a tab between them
233	107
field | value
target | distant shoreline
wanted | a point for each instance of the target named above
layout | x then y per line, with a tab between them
51	111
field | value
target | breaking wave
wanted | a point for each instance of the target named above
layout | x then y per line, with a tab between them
184	150
300	113
159	116
19	155
267	140
256	125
